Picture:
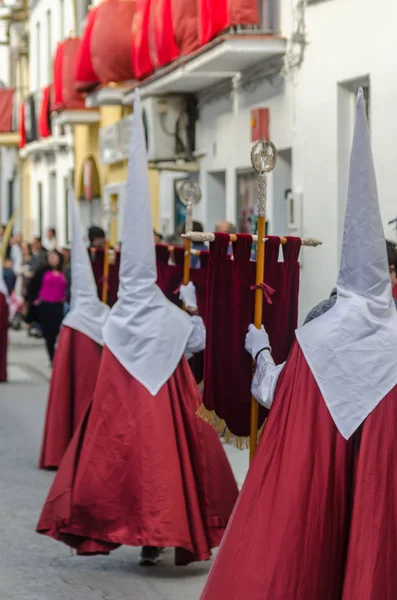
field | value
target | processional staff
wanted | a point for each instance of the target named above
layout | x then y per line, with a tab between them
190	194
263	159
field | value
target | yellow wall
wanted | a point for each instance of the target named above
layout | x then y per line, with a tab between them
87	145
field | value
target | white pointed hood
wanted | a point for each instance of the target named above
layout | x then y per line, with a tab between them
145	332
88	314
351	349
3	287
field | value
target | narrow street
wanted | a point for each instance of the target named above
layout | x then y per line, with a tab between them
34	567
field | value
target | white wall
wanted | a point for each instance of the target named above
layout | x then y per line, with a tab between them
41	170
40	52
311	114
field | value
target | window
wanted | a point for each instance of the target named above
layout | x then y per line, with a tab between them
49	46
38	61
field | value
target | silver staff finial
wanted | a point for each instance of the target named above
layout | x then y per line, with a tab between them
263	160
190	194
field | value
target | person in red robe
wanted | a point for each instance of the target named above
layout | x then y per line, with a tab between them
4	298
317	516
142	469
77	356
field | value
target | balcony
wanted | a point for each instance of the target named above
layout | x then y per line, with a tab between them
217	62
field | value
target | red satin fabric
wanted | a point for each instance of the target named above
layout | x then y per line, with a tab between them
3	337
45	107
218	15
185	17
110	53
316	518
85	78
65	96
162	45
142	470
74	375
141	51
230	310
22	129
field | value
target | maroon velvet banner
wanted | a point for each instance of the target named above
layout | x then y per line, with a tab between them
230	310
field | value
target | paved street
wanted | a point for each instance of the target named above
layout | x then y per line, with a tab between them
36	568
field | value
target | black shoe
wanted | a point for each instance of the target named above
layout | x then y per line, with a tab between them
150	556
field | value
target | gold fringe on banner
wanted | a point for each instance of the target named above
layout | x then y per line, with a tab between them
210	417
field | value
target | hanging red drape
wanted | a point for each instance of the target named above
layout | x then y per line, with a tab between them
45	113
140	48
162	44
65	96
22	130
185	18
218	15
111	41
57	98
230	309
85	78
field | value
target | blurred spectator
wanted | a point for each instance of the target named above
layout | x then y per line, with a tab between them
9	275
51	241
68	277
199	246
97	237
158	238
225	227
47	295
38	258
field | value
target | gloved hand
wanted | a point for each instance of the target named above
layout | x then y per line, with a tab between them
256	340
187	294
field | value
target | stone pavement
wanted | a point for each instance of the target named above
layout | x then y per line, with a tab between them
34	567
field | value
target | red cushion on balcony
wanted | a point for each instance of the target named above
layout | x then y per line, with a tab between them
162	45
185	16
65	94
45	108
85	78
218	15
111	41
141	55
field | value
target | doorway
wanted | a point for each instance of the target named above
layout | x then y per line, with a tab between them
284	209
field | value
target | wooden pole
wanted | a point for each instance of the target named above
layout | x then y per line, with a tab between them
105	284
260	276
263	158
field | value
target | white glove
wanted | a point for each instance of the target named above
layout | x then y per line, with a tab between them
187	294
256	340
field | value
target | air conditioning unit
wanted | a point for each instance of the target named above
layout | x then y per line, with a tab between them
165	122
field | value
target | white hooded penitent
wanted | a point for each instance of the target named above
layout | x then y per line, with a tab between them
351	349
145	332
88	314
3	287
